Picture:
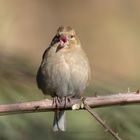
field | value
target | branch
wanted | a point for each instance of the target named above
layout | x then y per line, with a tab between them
93	102
101	121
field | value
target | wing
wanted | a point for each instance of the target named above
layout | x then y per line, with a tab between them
39	78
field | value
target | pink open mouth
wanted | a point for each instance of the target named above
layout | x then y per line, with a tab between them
62	40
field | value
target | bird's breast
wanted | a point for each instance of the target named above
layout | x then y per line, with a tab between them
66	74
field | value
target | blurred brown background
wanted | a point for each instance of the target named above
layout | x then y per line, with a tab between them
110	34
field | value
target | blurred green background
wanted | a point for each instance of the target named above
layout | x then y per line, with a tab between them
110	34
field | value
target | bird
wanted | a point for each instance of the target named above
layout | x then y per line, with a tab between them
64	71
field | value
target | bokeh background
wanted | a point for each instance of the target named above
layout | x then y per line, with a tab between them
110	34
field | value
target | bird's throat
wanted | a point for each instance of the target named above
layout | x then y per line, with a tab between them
59	47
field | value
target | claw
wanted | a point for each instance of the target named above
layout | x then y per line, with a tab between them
56	102
67	100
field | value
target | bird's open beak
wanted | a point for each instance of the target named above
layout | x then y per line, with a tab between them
62	40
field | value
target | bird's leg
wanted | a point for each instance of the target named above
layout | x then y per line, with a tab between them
56	101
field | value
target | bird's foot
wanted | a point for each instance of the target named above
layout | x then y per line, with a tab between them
56	101
66	101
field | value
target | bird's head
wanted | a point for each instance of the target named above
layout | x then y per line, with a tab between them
65	38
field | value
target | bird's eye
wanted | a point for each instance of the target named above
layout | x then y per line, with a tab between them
71	36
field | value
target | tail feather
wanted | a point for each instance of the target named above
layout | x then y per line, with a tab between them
59	123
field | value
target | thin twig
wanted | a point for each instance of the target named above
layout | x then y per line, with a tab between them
101	121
